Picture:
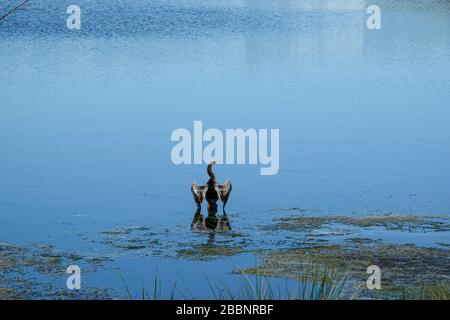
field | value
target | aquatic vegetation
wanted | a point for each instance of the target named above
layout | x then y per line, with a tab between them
287	209
316	283
130	238
162	243
156	292
320	284
403	266
203	252
116	231
440	291
325	257
436	291
7	293
402	222
363	240
124	231
291	257
35	271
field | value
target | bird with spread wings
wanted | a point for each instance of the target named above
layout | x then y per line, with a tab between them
211	191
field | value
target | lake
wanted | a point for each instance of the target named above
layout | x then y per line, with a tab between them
86	118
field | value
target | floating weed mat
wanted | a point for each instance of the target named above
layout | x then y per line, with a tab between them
179	242
314	258
142	239
39	272
205	252
399	222
403	267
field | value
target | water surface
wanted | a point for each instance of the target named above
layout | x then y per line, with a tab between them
86	118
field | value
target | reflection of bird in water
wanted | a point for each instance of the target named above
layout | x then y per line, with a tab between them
224	224
211	192
197	221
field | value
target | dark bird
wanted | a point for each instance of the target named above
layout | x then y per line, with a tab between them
211	191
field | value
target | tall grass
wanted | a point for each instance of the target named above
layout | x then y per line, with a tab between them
311	284
437	291
156	292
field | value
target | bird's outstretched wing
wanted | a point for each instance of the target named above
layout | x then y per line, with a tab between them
223	190
199	192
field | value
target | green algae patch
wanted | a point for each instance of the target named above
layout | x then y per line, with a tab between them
116	232
125	231
440	291
131	244
403	267
38	271
165	243
130	238
205	252
399	222
8	294
363	240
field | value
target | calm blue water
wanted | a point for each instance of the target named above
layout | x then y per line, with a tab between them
86	116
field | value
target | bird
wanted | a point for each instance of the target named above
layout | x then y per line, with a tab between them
211	191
